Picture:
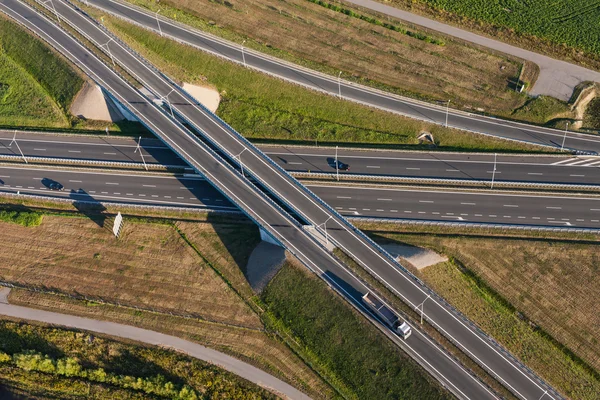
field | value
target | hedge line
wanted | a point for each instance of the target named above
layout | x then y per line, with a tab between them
375	21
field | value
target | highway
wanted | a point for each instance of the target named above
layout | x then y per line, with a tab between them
406	203
265	213
583	170
309	208
349	91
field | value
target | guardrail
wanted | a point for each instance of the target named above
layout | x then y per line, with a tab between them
443	181
119	164
455	224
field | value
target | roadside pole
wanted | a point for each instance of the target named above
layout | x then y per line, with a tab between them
141	153
421	306
447	111
564	137
53	8
494	170
337	166
109	52
239	157
158	23
14	140
340	84
325	227
243	55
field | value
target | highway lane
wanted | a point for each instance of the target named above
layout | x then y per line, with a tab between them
582	170
253	203
412	204
349	91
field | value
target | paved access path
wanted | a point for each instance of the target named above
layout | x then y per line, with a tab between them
557	78
195	350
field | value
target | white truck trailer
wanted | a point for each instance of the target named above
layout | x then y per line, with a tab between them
388	316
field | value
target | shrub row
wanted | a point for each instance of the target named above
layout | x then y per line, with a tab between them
375	21
69	367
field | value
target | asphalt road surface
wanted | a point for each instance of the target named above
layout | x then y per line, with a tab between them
414	204
282	227
350	91
557	78
192	349
583	170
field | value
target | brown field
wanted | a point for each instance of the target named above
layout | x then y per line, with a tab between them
331	41
251	345
150	265
554	284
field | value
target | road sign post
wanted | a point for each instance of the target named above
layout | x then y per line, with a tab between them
118	225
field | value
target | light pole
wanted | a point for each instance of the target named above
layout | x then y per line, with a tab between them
494	170
53	8
447	111
337	165
340	84
243	55
14	140
163	98
564	137
421	306
158	22
325	226
141	153
239	157
109	53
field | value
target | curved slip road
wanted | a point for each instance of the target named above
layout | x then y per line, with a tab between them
233	365
349	91
557	78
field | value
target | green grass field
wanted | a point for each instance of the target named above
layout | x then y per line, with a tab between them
265	108
570	22
36	86
566	29
358	357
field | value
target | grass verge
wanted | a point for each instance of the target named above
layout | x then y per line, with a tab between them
536	296
68	364
264	108
348	347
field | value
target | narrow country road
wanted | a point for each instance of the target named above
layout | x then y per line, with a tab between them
557	78
195	350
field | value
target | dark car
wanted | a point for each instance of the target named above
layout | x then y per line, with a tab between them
52	184
337	164
55	186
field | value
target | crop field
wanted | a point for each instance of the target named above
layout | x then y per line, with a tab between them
149	265
562	24
553	283
264	108
330	36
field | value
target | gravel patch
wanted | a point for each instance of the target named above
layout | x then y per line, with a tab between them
208	97
90	103
419	257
